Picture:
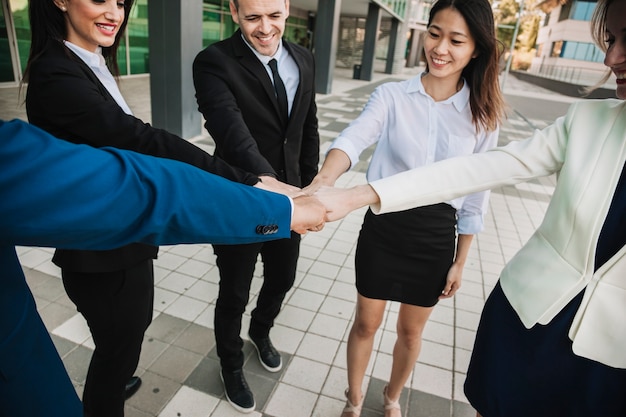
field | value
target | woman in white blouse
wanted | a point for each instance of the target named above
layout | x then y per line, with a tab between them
454	108
551	338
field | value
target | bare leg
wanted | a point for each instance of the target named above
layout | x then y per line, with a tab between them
369	315
410	326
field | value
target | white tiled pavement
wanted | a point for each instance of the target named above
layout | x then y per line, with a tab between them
178	362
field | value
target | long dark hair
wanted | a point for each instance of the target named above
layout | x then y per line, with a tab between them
48	23
481	73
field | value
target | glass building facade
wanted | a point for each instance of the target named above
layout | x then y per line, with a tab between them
579	10
134	52
397	6
14	39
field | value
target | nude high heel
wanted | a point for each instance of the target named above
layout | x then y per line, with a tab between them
392	408
351	410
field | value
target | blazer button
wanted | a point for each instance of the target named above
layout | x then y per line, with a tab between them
267	229
285	141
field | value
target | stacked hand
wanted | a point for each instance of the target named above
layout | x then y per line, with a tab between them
320	202
339	202
272	184
308	213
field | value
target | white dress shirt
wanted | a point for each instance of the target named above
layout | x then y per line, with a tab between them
410	130
287	68
95	61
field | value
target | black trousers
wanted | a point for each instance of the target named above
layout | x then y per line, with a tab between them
118	309
236	264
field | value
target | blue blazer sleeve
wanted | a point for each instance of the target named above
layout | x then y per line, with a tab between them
54	193
73	196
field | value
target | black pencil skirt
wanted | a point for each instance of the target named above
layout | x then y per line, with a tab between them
405	256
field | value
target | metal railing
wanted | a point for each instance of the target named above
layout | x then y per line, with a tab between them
573	75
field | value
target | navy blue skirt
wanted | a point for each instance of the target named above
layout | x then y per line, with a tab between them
522	372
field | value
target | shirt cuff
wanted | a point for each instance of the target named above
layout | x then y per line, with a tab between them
470	225
292	205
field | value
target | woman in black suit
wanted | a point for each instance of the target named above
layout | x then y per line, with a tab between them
72	93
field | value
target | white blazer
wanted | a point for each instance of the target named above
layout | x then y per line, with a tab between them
587	150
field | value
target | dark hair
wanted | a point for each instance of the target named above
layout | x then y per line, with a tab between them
47	22
481	73
236	3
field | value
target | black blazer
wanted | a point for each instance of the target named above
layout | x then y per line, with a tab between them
65	98
236	97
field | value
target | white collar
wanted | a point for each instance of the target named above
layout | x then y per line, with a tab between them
459	100
92	59
264	58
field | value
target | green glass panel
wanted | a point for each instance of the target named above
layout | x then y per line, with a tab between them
136	54
228	26
6	64
121	59
19	10
211	27
398	6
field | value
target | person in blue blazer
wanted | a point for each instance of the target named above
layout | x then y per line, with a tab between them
57	194
73	94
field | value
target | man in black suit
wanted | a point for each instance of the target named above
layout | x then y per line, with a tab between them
265	123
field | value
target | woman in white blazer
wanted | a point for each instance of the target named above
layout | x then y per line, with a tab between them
552	336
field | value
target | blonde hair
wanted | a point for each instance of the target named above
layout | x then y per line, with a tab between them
598	33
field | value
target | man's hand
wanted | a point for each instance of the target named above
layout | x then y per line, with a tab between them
272	184
308	215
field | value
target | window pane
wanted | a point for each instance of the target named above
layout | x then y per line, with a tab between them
211	26
6	64
137	30
583	10
556	49
19	10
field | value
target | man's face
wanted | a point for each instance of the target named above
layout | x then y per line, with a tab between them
262	22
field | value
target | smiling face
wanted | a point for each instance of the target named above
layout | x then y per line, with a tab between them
448	45
262	22
92	23
615	38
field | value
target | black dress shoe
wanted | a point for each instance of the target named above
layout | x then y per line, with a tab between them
268	355
132	386
237	391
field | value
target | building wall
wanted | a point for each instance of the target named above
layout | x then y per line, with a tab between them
134	52
565	49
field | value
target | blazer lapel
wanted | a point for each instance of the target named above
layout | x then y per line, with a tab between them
301	63
251	63
88	72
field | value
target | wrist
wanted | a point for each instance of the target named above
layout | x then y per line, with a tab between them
364	195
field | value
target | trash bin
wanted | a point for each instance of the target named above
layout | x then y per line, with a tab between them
356	72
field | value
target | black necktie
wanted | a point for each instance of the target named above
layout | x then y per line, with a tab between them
281	92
